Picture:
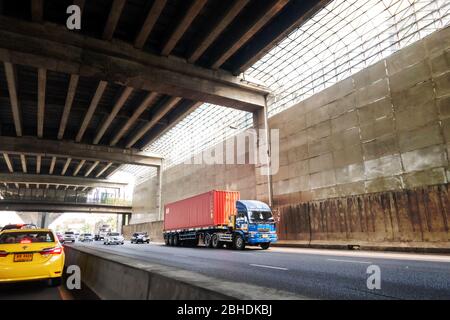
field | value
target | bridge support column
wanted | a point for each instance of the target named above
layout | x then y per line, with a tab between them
263	167
159	192
43	217
126	219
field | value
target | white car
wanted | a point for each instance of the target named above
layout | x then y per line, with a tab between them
113	238
86	237
69	236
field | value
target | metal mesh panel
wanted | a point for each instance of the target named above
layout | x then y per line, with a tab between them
203	128
341	39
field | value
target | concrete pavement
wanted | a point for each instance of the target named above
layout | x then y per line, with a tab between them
322	274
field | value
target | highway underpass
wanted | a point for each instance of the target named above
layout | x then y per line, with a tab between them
332	114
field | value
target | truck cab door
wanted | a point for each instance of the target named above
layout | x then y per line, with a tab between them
241	221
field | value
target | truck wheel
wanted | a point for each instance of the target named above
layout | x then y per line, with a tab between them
171	240
216	244
238	242
207	240
265	246
176	240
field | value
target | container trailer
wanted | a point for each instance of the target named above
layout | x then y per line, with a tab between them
219	218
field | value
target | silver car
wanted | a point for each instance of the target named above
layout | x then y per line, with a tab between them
69	236
113	238
86	237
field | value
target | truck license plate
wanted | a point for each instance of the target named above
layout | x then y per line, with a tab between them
265	235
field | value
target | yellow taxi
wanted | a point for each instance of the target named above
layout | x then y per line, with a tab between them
30	254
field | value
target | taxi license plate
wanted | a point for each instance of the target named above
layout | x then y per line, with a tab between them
23	257
265	235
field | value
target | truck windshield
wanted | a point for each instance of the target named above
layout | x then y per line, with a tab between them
260	216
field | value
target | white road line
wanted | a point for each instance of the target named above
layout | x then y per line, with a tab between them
180	256
270	267
350	261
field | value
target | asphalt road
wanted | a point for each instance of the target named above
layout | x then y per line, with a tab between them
320	274
33	290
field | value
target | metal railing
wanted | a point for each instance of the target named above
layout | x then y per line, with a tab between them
64	196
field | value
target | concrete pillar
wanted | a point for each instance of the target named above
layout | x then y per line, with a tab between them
159	192
263	181
44	220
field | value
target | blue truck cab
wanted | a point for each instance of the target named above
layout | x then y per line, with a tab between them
255	223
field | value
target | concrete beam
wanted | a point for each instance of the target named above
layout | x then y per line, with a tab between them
91	168
42	81
68	105
147	27
52	165
8	162
59	180
38	164
182	26
90	112
54	48
66	166
276	7
67	149
117	106
23	160
222	23
113	18
104	170
169	105
148	100
11	80
78	168
37	10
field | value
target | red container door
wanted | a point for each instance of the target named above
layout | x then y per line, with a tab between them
224	206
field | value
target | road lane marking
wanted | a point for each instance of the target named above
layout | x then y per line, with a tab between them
350	261
270	267
180	256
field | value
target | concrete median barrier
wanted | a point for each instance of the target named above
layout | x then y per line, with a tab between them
112	276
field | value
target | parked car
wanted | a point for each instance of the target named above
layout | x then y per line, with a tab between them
69	236
19	226
30	254
86	237
113	238
140	237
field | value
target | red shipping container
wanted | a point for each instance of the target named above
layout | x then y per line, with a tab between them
209	209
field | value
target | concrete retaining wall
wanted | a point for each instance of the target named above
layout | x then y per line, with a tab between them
112	276
385	128
154	229
416	219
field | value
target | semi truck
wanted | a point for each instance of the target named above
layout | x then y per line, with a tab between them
102	232
219	218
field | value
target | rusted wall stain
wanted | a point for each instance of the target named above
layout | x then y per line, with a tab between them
418	215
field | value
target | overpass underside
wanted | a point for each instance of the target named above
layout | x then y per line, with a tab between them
80	103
